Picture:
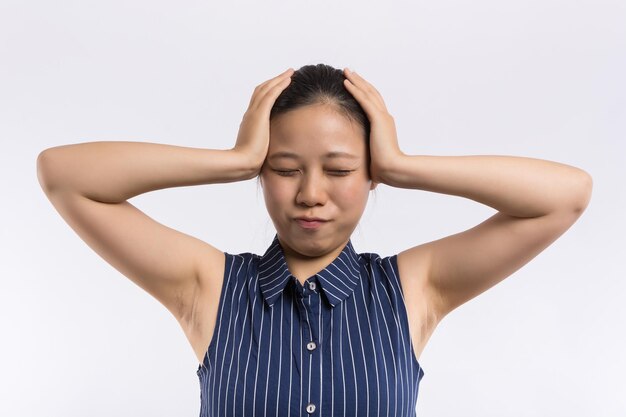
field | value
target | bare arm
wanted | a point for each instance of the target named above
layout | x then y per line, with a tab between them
537	201
112	172
88	184
518	186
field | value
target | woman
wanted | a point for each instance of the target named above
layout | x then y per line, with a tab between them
311	327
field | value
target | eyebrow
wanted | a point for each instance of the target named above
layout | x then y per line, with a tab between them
336	154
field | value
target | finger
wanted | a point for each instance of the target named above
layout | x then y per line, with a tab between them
268	99
258	90
370	90
365	99
362	97
362	83
262	89
277	79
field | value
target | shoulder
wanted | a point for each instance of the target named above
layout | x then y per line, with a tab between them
381	267
233	268
375	259
400	277
237	264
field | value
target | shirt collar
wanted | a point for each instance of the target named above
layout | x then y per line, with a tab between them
337	280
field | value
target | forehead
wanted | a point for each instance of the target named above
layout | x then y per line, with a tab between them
316	130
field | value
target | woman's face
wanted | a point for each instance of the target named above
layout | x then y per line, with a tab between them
309	182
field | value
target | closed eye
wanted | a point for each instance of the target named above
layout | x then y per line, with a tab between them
289	173
342	171
284	173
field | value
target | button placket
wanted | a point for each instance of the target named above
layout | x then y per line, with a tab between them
311	288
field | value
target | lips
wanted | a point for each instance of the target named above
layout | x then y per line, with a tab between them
310	223
311	219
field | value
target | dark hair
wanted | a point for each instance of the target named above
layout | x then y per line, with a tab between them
320	84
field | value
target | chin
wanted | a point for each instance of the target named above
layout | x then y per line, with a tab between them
312	245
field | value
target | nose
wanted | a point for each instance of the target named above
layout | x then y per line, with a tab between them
312	191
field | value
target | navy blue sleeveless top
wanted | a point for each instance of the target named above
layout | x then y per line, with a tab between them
337	346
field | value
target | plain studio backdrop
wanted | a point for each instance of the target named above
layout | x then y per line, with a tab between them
542	79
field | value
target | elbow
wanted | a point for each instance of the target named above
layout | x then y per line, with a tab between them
45	170
583	192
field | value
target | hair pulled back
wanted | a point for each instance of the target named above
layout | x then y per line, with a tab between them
320	84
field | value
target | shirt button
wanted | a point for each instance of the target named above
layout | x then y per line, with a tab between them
312	285
310	408
311	345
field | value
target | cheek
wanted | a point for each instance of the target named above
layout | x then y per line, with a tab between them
352	195
275	194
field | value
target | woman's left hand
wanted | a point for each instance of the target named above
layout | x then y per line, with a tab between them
383	140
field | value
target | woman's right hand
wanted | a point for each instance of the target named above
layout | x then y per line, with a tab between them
254	130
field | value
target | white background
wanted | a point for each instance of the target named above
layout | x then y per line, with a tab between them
542	79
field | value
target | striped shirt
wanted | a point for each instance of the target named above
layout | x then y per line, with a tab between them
339	345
